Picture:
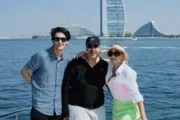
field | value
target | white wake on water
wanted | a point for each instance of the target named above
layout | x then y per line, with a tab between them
144	47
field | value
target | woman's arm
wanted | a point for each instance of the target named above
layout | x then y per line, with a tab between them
142	110
135	93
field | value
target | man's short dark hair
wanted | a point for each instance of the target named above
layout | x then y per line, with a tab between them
60	29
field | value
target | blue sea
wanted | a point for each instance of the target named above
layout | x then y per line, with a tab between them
157	62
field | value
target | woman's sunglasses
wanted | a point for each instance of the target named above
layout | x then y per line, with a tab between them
92	46
57	39
115	53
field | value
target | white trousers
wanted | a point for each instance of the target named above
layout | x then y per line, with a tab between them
80	113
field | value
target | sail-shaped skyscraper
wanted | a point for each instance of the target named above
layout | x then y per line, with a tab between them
112	18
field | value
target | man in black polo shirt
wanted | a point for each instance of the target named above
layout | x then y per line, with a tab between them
82	87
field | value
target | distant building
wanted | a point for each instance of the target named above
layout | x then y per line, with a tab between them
77	31
112	19
40	37
148	30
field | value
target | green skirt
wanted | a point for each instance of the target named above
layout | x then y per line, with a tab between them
125	110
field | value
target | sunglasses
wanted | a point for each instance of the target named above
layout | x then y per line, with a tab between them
116	53
92	45
57	39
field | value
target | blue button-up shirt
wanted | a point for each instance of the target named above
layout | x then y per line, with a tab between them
47	74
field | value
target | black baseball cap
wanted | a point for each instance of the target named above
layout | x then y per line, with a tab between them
93	40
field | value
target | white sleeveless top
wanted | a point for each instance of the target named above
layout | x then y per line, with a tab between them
124	86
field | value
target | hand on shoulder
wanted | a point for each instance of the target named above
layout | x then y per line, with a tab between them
81	54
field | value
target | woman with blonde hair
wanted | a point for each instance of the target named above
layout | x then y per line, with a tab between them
121	80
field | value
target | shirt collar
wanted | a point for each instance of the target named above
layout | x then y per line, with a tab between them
120	68
53	56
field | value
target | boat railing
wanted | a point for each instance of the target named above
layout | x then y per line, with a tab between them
15	113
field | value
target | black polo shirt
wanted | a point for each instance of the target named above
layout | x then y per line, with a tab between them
83	85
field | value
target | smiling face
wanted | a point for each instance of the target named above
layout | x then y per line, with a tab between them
60	41
93	50
115	56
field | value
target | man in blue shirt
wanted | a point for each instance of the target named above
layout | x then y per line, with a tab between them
44	71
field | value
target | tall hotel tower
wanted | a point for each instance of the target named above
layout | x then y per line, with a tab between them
112	19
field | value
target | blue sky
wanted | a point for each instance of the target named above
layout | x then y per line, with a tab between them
27	17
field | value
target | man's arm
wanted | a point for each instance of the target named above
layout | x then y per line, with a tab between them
65	90
30	67
26	75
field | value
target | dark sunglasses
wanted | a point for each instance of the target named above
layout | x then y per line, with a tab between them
57	39
116	53
92	45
